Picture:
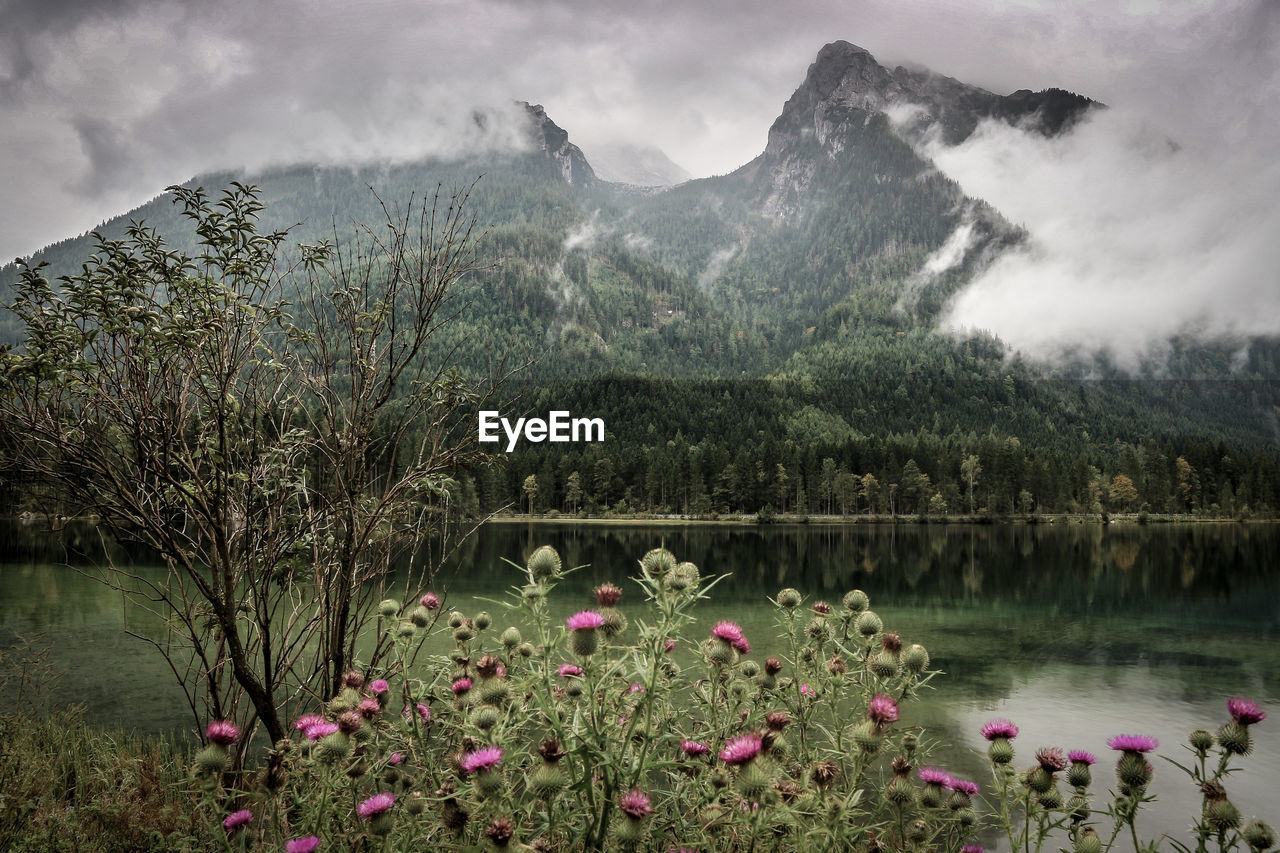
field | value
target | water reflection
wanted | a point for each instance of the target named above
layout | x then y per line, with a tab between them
1078	632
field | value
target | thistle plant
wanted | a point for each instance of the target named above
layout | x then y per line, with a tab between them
636	725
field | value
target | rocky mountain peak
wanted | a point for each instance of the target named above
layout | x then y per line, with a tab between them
553	140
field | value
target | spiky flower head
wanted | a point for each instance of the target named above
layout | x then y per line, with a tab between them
388	607
741	749
693	748
821	608
1079	756
350	721
999	728
856	601
777	720
369	708
915	659
882	710
658	562
569	670
635	804
353	679
379	686
1133	743
489	666
1201	740
1245	712
235	820
971	848
585	620
608	595
1051	759
376	805
964	786
322	729
500	831
933	776
544	562
305	844
482	759
431	601
891	642
772	666
461	686
1258	835
806	690
789	598
222	732
868	624
730	632
424	712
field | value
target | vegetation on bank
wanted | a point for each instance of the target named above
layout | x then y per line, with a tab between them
624	727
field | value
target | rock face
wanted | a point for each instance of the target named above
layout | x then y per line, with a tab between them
554	141
640	166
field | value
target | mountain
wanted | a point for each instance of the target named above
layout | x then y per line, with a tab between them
785	313
637	165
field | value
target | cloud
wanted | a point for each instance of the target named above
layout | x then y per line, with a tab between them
1154	218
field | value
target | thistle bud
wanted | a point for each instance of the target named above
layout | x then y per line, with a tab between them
511	638
789	598
1088	841
915	659
420	617
406	630
388	607
1234	739
1258	835
463	634
456	619
658	562
483	620
856	600
1201	741
544	563
525	650
868	624
885	664
485	717
1051	799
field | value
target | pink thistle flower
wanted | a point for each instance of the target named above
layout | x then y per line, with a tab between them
806	690
730	632
235	820
635	688
934	776
741	749
462	685
482	759
1051	759
431	601
353	680
395	759
324	728
964	786
741	644
376	805
569	670
222	732
1245	712
586	620
305	844
882	710
379	686
1133	743
423	712
693	748
306	721
971	848
999	728
635	803
669	645
369	708
1079	756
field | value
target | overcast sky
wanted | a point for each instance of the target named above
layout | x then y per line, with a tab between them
103	103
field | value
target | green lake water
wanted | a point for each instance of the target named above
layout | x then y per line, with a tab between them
1075	632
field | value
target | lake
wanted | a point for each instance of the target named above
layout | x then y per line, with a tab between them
1075	632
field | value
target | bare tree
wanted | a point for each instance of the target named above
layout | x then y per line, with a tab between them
276	463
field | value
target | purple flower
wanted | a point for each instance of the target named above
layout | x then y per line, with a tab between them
324	728
636	688
395	759
1081	757
423	712
376	805
369	708
669	645
1051	759
635	803
964	786
481	759
462	685
934	776
585	620
999	728
741	644
431	601
1245	712
305	844
568	670
730	632
1133	743
235	820
882	710
741	749
306	721
223	733
379	686
971	848
806	690
692	748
